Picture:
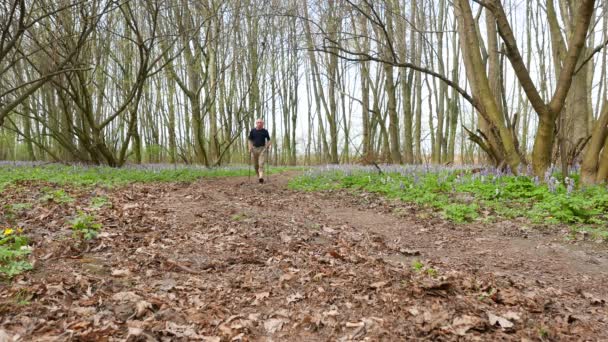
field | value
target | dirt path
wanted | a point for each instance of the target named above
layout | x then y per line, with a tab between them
228	259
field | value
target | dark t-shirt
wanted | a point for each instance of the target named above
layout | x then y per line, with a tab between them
258	137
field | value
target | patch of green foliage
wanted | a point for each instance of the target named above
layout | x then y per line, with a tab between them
85	227
58	196
99	202
238	217
460	213
13	251
417	265
461	196
12	210
108	176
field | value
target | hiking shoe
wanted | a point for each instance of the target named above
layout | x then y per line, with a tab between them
261	180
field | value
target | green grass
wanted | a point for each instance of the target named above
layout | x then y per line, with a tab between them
463	197
84	226
13	253
107	176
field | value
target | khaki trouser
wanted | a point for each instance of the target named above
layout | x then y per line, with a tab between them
258	159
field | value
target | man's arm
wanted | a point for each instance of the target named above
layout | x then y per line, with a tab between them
269	142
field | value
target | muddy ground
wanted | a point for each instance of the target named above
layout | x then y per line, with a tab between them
231	260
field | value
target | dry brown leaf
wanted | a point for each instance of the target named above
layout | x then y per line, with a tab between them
406	251
135	332
501	321
254	317
414	311
141	308
211	339
225	329
354	325
127	296
294	297
461	325
130	206
238	337
5	337
262	295
286	277
328	230
318	276
273	325
281	313
181	330
593	299
285	238
331	313
378	285
121	273
514	316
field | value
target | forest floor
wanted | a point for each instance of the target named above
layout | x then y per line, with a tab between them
228	259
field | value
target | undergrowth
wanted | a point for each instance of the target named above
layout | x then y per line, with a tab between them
13	252
108	176
464	196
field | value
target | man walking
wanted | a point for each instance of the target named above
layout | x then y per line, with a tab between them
259	141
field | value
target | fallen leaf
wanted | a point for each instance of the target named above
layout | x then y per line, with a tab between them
594	300
328	230
181	330
273	325
405	251
5	337
167	284
503	322
141	308
335	254
238	337
318	276
436	285
225	329
121	273
354	325
378	284
286	239
211	339
134	332
413	311
294	297
286	277
331	313
461	325
512	316
281	313
254	317
129	206
260	296
127	296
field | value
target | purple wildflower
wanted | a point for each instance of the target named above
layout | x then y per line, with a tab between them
569	185
552	184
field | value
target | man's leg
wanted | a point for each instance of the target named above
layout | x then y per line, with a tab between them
261	159
256	162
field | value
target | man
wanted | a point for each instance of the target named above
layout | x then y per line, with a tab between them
259	141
